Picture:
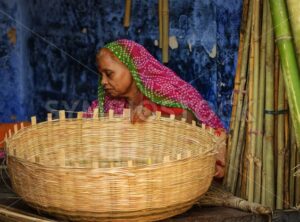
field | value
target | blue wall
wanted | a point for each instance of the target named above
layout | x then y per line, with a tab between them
52	65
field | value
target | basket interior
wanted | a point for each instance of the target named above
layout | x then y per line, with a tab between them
106	143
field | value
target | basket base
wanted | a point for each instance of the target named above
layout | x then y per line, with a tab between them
147	215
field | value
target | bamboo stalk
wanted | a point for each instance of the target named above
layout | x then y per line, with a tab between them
243	77
165	31
297	182
243	30
257	162
160	25
288	61
261	105
251	107
280	145
293	164
287	170
268	159
276	84
240	147
126	21
293	10
239	190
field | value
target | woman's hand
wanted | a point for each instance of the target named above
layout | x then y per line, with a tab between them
139	114
220	156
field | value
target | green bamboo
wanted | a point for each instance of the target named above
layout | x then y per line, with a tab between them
288	61
232	172
268	164
280	145
294	16
261	107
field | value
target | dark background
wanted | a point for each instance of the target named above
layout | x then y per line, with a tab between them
51	65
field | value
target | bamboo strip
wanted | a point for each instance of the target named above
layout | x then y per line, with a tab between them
79	115
62	115
33	120
49	117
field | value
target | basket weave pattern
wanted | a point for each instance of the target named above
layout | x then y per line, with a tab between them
106	168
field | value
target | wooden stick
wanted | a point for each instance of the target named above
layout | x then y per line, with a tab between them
160	23
165	22
126	22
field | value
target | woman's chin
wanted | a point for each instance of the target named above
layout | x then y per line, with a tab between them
112	93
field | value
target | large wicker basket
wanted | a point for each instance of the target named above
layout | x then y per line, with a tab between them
104	169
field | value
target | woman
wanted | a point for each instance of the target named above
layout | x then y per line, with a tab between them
130	77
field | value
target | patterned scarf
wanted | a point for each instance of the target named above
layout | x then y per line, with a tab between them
157	82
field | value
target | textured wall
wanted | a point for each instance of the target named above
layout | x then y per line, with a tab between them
57	55
15	102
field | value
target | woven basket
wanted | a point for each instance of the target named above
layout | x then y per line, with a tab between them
107	169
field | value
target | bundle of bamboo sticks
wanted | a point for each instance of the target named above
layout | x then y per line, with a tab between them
262	146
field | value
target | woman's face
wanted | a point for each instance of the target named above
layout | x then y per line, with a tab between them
116	78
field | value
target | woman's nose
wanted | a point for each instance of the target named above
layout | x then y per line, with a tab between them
103	80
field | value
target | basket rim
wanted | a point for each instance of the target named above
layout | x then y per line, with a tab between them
116	118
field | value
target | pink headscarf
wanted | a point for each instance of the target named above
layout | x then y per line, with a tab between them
157	82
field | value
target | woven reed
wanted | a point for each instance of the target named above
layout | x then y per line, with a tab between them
109	169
